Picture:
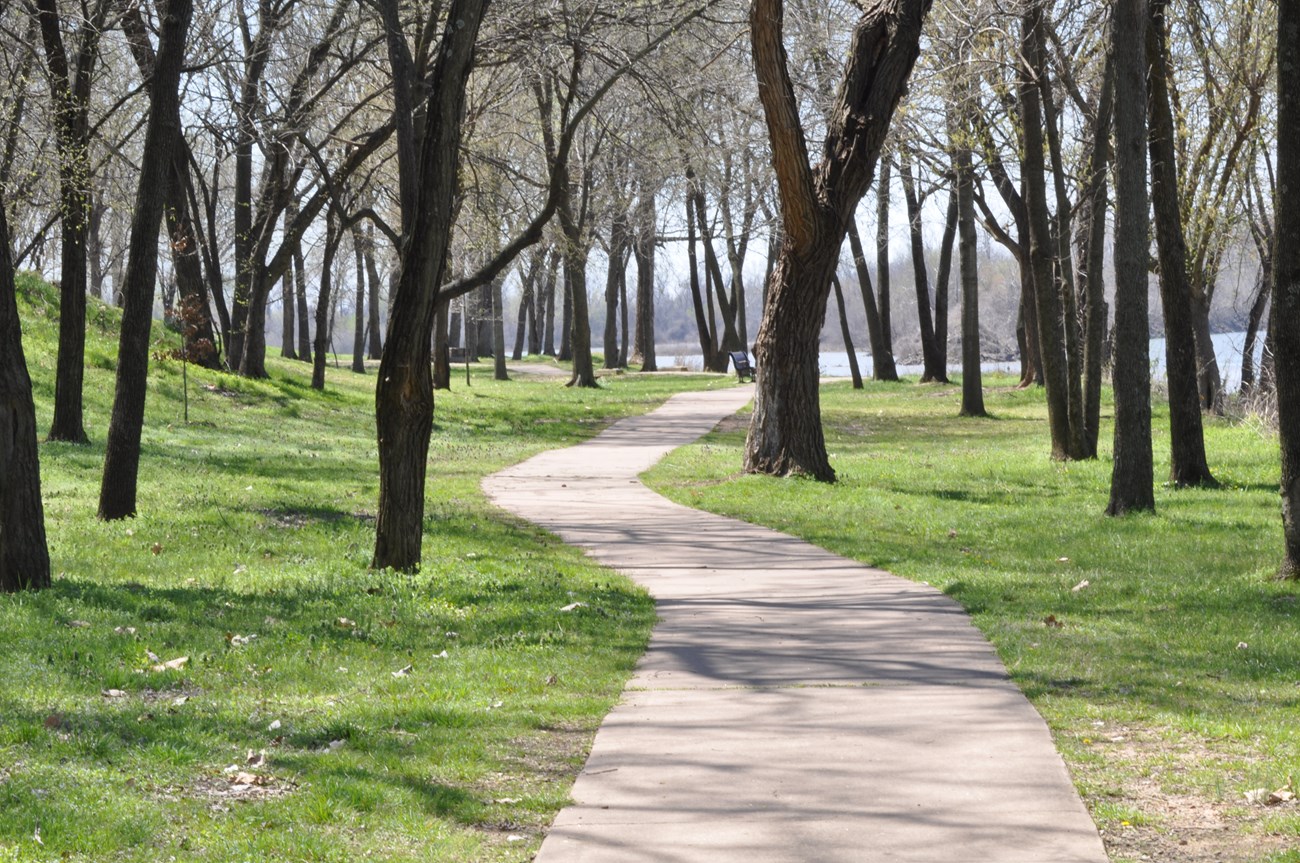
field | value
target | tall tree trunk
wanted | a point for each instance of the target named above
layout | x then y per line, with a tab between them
882	360
643	250
566	312
622	321
487	313
972	387
404	391
498	332
117	496
300	288
920	273
374	335
527	284
1067	436
548	330
1132	473
1188	465
288	317
442	348
854	371
1253	320
70	84
24	555
359	311
1090	240
785	432
1286	280
882	268
942	277
615	273
707	350
324	301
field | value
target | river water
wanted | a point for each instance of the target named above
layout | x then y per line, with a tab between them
1228	349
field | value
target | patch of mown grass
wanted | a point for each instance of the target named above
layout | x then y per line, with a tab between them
389	717
1176	662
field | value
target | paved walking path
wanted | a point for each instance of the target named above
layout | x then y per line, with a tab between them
793	705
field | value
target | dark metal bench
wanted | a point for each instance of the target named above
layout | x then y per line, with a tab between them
740	362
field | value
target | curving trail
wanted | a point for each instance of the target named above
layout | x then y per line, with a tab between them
793	705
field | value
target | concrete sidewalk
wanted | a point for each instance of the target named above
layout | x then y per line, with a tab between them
793	705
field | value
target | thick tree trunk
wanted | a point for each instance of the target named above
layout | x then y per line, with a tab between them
525	315
1132	474
882	360
1066	434
117	497
854	371
486	312
707	350
404	391
566	313
932	368
1286	280
546	344
1188	465
442	348
24	555
785	433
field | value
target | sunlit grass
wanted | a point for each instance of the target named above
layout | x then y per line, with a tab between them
392	717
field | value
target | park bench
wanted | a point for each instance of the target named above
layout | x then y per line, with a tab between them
740	362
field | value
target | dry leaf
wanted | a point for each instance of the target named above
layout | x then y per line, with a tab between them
153	657
125	630
1083	585
54	720
1281	795
507	800
255	759
403	672
571	606
171	664
156	548
1241	645
551	680
1052	622
1062	560
113	693
1257	796
274	726
442	655
180	700
345	623
78	624
250	779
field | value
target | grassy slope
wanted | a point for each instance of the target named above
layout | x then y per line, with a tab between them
256	519
1156	708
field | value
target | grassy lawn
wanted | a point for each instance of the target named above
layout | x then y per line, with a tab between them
318	711
1163	657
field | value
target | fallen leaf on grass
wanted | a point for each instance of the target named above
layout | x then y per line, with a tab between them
156	548
345	623
403	672
573	605
249	780
113	693
1062	560
238	640
274	726
77	624
1051	622
442	655
171	664
507	800
1241	645
54	720
124	630
1083	585
255	759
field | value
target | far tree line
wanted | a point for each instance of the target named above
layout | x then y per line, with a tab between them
465	141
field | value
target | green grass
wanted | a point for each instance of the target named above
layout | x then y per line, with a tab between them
1176	665
256	519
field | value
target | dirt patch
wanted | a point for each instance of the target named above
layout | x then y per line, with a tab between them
733	423
225	790
1181	824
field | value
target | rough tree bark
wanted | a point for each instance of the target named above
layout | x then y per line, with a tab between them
428	168
117	496
324	300
1066	428
1132	471
24	555
785	433
1188	465
854	371
932	366
1286	279
643	251
1090	241
359	310
972	388
888	372
70	83
615	275
882	359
